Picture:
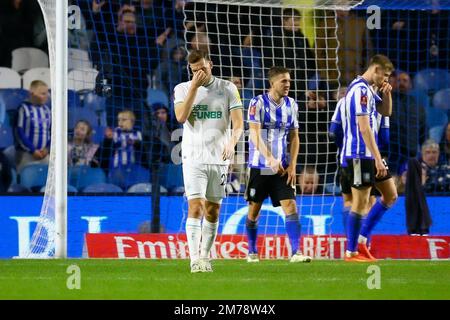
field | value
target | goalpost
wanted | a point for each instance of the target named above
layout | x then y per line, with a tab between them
50	236
244	40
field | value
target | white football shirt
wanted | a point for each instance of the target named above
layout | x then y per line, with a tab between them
208	128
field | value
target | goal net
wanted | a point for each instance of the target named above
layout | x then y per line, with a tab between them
128	56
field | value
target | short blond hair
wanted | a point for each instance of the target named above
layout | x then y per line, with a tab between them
37	83
382	61
130	113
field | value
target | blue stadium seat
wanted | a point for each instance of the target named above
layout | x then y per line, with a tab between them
436	120
69	189
126	177
12	98
441	99
2	112
431	80
33	176
144	188
171	175
6	137
421	97
435	133
14	187
94	102
98	133
76	114
157	96
102	188
83	176
73	99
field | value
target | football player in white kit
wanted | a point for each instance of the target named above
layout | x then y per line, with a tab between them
206	106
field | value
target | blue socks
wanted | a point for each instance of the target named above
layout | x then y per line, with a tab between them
345	213
353	228
372	219
252	235
293	231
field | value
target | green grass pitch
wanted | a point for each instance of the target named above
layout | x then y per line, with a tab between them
231	279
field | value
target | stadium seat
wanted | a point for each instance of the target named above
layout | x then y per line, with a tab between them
33	176
9	79
78	59
94	102
69	189
12	98
6	137
157	96
2	112
126	177
441	99
29	58
17	188
431	80
98	133
83	176
81	80
436	117
42	74
102	188
421	97
10	154
171	175
144	188
435	133
76	114
73	99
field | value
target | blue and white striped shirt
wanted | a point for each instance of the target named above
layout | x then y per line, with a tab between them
276	121
360	100
124	147
34	126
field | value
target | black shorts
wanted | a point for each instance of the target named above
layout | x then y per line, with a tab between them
359	173
261	185
346	179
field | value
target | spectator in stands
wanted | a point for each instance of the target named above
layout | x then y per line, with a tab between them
407	122
172	71
444	145
78	38
124	143
81	150
287	46
308	181
126	59
314	116
252	65
438	175
163	126
355	46
33	127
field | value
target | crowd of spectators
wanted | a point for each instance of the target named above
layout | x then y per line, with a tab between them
142	44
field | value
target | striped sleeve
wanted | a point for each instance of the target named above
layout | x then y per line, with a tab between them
294	115
360	101
254	110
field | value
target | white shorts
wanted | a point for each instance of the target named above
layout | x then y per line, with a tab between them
205	181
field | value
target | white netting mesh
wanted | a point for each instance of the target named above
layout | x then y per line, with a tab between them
43	240
244	40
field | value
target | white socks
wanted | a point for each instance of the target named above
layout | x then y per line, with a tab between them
362	239
193	234
209	232
196	234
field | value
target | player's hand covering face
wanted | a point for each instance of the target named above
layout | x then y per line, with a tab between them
202	72
281	84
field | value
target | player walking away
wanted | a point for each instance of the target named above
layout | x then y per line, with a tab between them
360	156
205	105
384	187
272	117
